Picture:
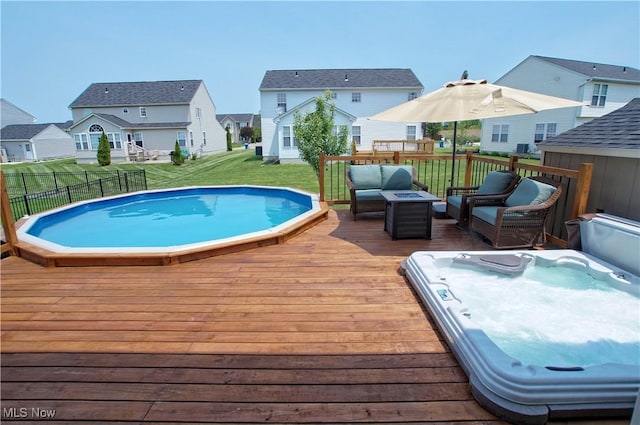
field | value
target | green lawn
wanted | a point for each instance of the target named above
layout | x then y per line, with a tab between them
236	167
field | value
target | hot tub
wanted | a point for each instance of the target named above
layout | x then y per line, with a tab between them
541	334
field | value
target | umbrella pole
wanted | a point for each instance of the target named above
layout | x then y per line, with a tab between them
453	155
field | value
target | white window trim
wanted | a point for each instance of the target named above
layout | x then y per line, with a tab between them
182	139
143	112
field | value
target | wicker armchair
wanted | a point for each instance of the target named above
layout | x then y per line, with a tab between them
366	181
495	183
515	220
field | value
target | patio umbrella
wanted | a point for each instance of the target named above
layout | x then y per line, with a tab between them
466	99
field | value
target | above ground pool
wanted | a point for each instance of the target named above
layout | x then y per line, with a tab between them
541	334
182	221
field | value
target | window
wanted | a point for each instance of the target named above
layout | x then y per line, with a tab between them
182	138
599	95
82	143
286	137
355	134
95	131
356	97
412	95
411	132
125	110
143	112
204	138
282	103
500	133
191	138
27	147
115	142
544	131
138	139
198	113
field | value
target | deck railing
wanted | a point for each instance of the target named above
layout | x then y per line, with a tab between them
470	170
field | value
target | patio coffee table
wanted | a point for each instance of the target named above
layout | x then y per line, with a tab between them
408	213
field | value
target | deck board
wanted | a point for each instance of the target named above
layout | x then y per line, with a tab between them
320	329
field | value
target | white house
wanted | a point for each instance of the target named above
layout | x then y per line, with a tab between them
11	114
145	119
357	95
603	88
35	142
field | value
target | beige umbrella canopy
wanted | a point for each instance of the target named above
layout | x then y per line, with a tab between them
465	100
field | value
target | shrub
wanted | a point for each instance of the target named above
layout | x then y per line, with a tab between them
104	150
177	157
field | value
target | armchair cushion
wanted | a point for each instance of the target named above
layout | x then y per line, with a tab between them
486	214
495	182
365	176
529	192
455	200
396	177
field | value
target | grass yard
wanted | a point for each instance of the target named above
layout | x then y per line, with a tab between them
236	167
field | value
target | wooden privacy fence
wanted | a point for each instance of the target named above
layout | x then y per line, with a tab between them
470	170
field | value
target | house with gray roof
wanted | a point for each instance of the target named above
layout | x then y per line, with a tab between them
612	144
602	88
143	120
236	122
35	142
356	93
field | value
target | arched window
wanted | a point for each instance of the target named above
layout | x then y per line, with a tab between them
95	131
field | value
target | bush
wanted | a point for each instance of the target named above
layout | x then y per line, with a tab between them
177	157
104	150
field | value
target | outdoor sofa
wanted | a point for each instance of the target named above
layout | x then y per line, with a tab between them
365	182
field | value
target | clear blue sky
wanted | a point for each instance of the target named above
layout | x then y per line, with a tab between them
51	51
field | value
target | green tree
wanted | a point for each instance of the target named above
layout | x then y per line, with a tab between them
315	132
257	135
229	146
177	157
432	129
104	150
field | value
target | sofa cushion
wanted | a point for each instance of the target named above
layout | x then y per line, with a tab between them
529	192
495	182
487	214
366	176
396	177
369	195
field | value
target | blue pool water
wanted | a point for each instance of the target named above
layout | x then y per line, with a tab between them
171	218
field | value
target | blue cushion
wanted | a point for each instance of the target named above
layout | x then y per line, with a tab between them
397	177
369	195
495	182
529	192
366	176
487	214
455	200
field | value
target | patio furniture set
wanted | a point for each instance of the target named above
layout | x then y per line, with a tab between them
507	210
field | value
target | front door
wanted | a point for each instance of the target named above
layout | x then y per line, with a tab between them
28	152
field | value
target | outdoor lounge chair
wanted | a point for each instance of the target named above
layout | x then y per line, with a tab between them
495	183
366	181
515	220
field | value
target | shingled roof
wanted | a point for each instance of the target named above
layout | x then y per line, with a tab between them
619	129
22	131
324	79
596	70
137	93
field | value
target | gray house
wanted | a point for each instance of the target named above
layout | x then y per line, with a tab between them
11	114
612	144
602	88
35	142
236	122
143	120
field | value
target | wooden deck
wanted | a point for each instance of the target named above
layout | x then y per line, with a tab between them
321	329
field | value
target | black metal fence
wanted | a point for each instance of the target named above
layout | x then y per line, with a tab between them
31	193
